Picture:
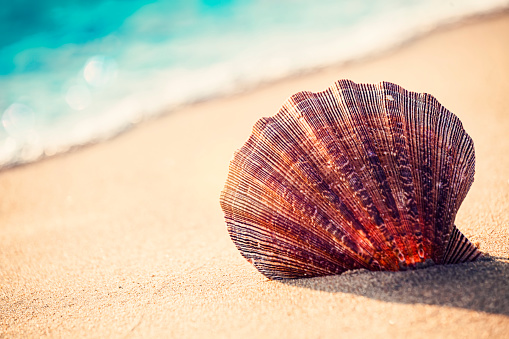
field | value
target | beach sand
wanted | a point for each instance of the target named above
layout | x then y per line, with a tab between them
126	238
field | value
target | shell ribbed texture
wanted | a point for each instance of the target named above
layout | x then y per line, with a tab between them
358	176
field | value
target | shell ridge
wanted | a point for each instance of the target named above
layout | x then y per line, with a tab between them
342	165
324	151
446	189
324	187
394	139
409	125
277	252
392	148
422	168
294	230
381	131
386	205
253	235
263	256
434	157
460	249
441	165
241	152
366	204
402	131
351	150
366	199
371	194
463	178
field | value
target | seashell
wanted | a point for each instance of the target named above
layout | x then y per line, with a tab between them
358	176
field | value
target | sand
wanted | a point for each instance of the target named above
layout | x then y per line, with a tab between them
126	238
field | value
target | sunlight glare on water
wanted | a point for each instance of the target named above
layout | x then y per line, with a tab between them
18	121
100	70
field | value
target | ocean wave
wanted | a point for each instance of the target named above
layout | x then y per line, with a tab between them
78	74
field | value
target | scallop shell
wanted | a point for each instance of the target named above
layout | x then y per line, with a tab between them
358	176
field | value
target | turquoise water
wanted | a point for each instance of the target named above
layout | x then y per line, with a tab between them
75	72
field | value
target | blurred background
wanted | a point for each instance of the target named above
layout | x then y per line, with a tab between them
80	71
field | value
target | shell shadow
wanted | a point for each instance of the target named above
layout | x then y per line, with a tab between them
479	286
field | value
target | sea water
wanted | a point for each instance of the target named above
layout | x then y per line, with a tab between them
81	71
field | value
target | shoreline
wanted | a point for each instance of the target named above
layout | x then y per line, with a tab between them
391	48
114	240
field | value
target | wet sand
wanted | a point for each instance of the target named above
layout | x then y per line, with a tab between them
126	238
